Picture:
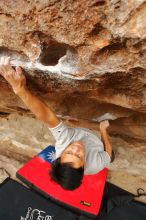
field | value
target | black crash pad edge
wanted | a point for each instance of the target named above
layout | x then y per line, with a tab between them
46	196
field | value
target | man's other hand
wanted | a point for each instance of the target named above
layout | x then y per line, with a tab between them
104	125
14	77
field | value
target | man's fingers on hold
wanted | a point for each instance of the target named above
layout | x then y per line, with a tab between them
2	60
19	70
7	61
3	69
1	72
10	68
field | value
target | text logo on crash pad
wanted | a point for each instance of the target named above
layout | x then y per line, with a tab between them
88	204
36	214
48	154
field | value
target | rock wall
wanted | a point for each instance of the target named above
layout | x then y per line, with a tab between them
85	58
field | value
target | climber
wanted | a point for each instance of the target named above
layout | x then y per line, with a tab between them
78	150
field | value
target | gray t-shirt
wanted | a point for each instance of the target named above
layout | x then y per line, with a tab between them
95	157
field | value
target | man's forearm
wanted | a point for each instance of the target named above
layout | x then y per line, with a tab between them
16	78
40	110
106	142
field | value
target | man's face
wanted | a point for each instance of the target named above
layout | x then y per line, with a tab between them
74	154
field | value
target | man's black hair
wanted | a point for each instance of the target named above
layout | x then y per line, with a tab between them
65	175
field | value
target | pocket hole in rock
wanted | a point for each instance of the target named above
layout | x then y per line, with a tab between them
51	54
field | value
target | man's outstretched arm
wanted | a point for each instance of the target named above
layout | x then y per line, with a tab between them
17	80
104	136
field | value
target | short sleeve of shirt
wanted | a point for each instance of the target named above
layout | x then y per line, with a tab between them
63	136
98	161
58	130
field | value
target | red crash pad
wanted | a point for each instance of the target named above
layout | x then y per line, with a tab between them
86	199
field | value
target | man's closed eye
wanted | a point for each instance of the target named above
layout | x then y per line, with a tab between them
73	154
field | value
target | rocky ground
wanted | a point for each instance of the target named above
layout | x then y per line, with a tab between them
21	137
